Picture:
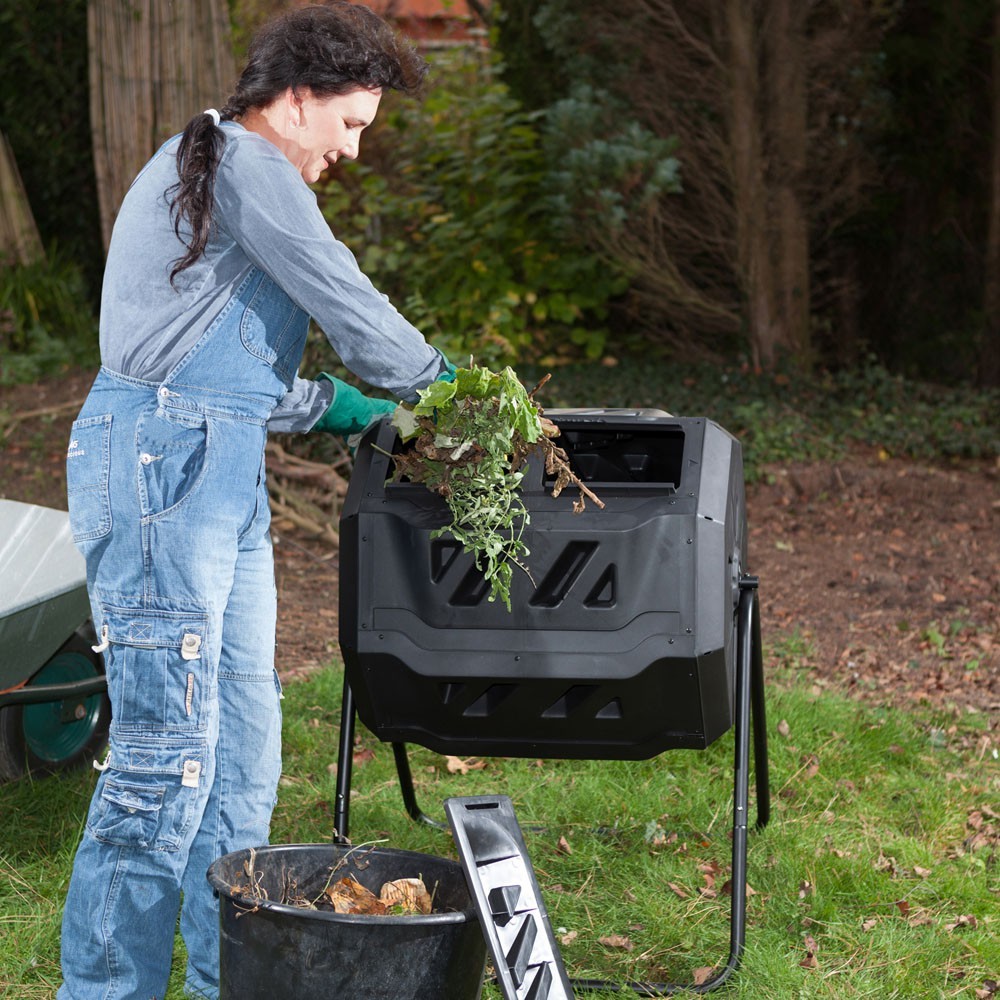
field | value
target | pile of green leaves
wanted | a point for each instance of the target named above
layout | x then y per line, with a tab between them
469	442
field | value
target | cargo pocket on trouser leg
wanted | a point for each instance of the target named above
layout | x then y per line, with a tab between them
159	671
150	793
161	682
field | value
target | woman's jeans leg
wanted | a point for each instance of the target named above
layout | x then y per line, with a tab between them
161	584
248	755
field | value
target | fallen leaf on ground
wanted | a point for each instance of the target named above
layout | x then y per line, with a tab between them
456	765
810	961
617	941
965	920
563	846
702	974
569	937
783	728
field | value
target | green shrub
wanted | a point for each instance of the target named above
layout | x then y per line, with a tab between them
455	224
47	322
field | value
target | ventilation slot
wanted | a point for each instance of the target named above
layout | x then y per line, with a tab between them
559	580
520	951
571	699
471	591
605	592
540	986
444	552
490	700
503	899
613	710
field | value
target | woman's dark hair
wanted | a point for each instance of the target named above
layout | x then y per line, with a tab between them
331	49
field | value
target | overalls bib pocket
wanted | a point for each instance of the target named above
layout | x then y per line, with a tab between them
273	329
88	464
173	457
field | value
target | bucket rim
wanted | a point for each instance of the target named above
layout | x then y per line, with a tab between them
274	906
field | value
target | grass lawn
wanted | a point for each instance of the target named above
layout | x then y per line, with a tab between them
877	876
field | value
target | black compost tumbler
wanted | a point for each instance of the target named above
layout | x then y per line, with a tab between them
620	644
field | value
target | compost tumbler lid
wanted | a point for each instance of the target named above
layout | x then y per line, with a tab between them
503	885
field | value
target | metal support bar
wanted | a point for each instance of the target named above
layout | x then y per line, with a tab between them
408	791
345	761
749	718
32	694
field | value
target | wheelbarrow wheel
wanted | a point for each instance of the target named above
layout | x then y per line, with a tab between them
54	735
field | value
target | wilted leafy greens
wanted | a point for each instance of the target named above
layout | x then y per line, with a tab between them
470	439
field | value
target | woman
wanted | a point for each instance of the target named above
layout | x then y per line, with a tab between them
219	258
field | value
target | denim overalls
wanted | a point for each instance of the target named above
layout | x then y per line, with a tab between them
169	506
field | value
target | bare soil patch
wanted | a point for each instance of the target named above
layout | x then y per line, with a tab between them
883	573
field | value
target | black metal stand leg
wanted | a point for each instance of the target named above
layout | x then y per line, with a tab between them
345	761
408	791
759	715
747	638
749	719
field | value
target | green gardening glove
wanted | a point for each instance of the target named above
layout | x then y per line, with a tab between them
448	373
350	411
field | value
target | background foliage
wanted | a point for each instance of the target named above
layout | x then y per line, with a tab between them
452	212
472	210
44	111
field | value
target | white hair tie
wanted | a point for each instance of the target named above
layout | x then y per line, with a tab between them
214	115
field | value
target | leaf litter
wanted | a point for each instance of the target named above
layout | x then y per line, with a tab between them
407	896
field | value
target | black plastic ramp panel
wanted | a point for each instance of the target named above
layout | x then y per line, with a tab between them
503	884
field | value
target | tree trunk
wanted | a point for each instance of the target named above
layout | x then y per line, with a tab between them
153	65
989	361
785	47
19	239
753	248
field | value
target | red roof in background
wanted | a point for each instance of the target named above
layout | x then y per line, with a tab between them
431	22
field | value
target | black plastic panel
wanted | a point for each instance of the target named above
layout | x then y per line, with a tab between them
510	905
619	645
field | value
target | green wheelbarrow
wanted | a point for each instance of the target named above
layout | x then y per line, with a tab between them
54	708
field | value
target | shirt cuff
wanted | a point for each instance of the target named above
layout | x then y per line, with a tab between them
300	407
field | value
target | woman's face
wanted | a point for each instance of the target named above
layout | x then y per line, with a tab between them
321	130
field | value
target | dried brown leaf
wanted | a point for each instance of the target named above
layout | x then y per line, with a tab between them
409	893
458	765
617	941
810	961
350	896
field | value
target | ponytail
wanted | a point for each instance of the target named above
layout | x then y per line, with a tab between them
198	155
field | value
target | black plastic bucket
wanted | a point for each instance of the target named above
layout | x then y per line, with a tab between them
272	950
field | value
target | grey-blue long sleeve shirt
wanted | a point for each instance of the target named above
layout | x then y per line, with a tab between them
264	216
